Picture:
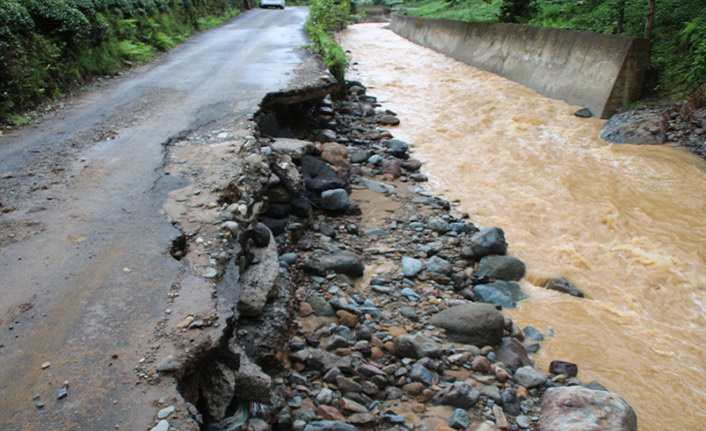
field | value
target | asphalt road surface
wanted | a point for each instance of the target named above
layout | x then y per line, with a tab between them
84	266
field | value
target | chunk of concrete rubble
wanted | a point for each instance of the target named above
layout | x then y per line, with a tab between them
258	281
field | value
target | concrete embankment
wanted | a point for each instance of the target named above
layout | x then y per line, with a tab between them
598	71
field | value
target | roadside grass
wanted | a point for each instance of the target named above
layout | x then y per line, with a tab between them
49	48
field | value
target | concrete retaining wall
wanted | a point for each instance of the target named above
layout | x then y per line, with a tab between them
598	71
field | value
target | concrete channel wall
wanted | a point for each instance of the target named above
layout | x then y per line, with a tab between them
597	71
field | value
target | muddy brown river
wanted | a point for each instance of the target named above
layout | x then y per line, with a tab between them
625	224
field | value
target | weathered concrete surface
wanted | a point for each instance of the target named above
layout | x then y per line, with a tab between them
598	71
86	281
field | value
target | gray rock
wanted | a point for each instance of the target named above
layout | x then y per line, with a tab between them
584	113
523	421
438	265
258	281
288	258
578	408
375	160
161	426
439	225
411	266
408	312
416	346
294	148
334	200
487	293
325	135
321	361
560	284
360	156
511	403
420	373
337	342
375	186
410	294
485	242
492	392
329	426
459	419
388	120
320	306
531	333
477	324
460	394
325	396
511	353
396	147
319	175
344	262
501	267
168	365
562	367
500	292
530	378
165	412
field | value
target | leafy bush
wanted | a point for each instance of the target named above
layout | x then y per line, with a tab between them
325	18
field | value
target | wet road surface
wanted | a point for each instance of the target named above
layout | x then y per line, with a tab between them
85	271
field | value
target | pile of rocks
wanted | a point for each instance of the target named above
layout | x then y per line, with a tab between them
345	323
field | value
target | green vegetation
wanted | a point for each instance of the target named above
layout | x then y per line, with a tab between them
325	18
48	46
678	42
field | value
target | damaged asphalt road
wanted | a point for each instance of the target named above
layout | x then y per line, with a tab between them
87	277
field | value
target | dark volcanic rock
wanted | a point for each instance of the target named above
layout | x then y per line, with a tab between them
477	324
318	175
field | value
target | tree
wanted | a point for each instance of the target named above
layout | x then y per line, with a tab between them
650	16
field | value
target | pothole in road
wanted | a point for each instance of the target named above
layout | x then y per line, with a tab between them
179	247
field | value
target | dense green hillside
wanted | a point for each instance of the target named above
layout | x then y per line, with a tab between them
48	46
678	33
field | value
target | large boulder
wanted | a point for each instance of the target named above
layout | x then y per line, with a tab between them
344	262
485	242
501	267
258	281
575	408
477	324
318	175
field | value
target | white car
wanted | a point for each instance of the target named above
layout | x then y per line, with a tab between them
272	3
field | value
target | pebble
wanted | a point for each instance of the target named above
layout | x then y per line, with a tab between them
165	412
163	425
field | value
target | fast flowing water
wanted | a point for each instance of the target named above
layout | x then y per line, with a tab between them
625	224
